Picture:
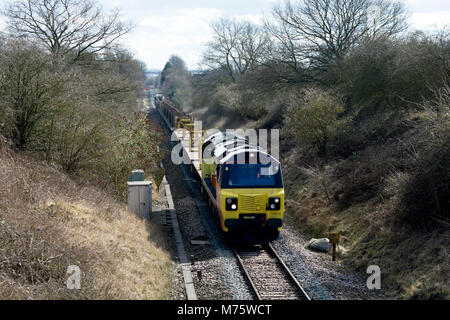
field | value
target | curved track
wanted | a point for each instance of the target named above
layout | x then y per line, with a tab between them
268	275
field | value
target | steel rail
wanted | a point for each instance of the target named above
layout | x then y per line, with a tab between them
280	265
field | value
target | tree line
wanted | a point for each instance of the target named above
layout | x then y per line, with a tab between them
68	91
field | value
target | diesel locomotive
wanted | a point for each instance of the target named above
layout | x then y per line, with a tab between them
242	183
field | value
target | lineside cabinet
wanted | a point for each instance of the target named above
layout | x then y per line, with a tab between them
140	198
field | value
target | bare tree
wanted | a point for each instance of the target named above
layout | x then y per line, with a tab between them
287	51
66	27
320	32
286	60
441	52
176	83
26	88
236	47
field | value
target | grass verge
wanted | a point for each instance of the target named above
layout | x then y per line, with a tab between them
49	222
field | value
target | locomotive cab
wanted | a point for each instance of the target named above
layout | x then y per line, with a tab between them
241	182
250	194
247	186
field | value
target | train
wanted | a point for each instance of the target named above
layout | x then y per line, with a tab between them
242	183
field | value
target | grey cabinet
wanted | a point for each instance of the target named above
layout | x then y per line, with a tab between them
140	198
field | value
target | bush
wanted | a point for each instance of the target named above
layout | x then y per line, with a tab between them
27	87
229	98
393	73
76	116
135	145
313	119
425	196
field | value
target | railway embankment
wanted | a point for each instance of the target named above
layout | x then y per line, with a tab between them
65	239
384	199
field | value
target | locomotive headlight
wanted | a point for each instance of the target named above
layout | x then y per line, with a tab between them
232	204
274	203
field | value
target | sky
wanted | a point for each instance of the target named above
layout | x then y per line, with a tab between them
182	27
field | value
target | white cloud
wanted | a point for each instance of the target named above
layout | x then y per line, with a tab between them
2	24
180	31
423	6
184	32
431	20
254	18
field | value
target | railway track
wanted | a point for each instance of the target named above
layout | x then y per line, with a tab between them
268	275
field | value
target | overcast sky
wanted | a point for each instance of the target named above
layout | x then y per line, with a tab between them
166	27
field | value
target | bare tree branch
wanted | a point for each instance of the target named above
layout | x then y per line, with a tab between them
66	27
318	33
236	48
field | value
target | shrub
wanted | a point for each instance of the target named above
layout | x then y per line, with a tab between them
27	87
176	83
393	73
313	119
134	145
425	196
228	97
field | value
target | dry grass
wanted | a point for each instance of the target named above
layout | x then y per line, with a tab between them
49	222
414	265
376	180
367	206
390	198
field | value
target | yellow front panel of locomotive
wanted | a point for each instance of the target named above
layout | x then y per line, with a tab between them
251	201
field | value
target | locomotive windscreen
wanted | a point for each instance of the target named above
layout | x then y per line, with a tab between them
235	176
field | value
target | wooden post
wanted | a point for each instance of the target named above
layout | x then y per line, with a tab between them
334	239
334	252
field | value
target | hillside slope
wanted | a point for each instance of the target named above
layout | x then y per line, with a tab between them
49	222
387	191
388	198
